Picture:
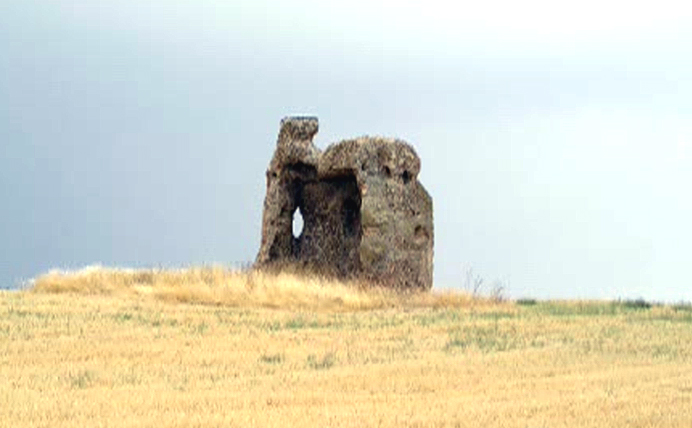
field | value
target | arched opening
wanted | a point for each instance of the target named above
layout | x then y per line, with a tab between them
297	223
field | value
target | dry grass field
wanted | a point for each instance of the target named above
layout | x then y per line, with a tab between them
211	348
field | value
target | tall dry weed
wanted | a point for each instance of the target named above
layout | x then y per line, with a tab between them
251	288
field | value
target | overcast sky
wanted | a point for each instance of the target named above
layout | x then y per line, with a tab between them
556	140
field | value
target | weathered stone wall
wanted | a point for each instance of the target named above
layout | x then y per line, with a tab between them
364	212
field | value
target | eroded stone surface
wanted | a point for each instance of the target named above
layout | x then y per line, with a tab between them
364	212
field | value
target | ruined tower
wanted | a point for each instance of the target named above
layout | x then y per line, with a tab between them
365	215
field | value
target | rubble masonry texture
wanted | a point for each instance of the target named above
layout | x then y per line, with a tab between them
365	215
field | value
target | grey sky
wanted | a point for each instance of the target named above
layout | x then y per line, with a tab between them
557	143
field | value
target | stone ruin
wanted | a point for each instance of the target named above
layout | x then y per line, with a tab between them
365	215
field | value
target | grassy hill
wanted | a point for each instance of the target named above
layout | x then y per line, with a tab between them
208	347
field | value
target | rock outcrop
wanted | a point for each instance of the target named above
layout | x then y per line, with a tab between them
365	215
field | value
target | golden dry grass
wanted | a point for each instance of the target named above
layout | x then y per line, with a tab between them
127	353
253	288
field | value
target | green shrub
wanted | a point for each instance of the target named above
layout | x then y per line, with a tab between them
637	304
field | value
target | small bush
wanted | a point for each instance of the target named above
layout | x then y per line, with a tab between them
484	339
636	304
272	358
682	307
526	302
82	379
321	363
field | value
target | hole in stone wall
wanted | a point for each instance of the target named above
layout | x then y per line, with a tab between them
406	176
420	234
297	223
